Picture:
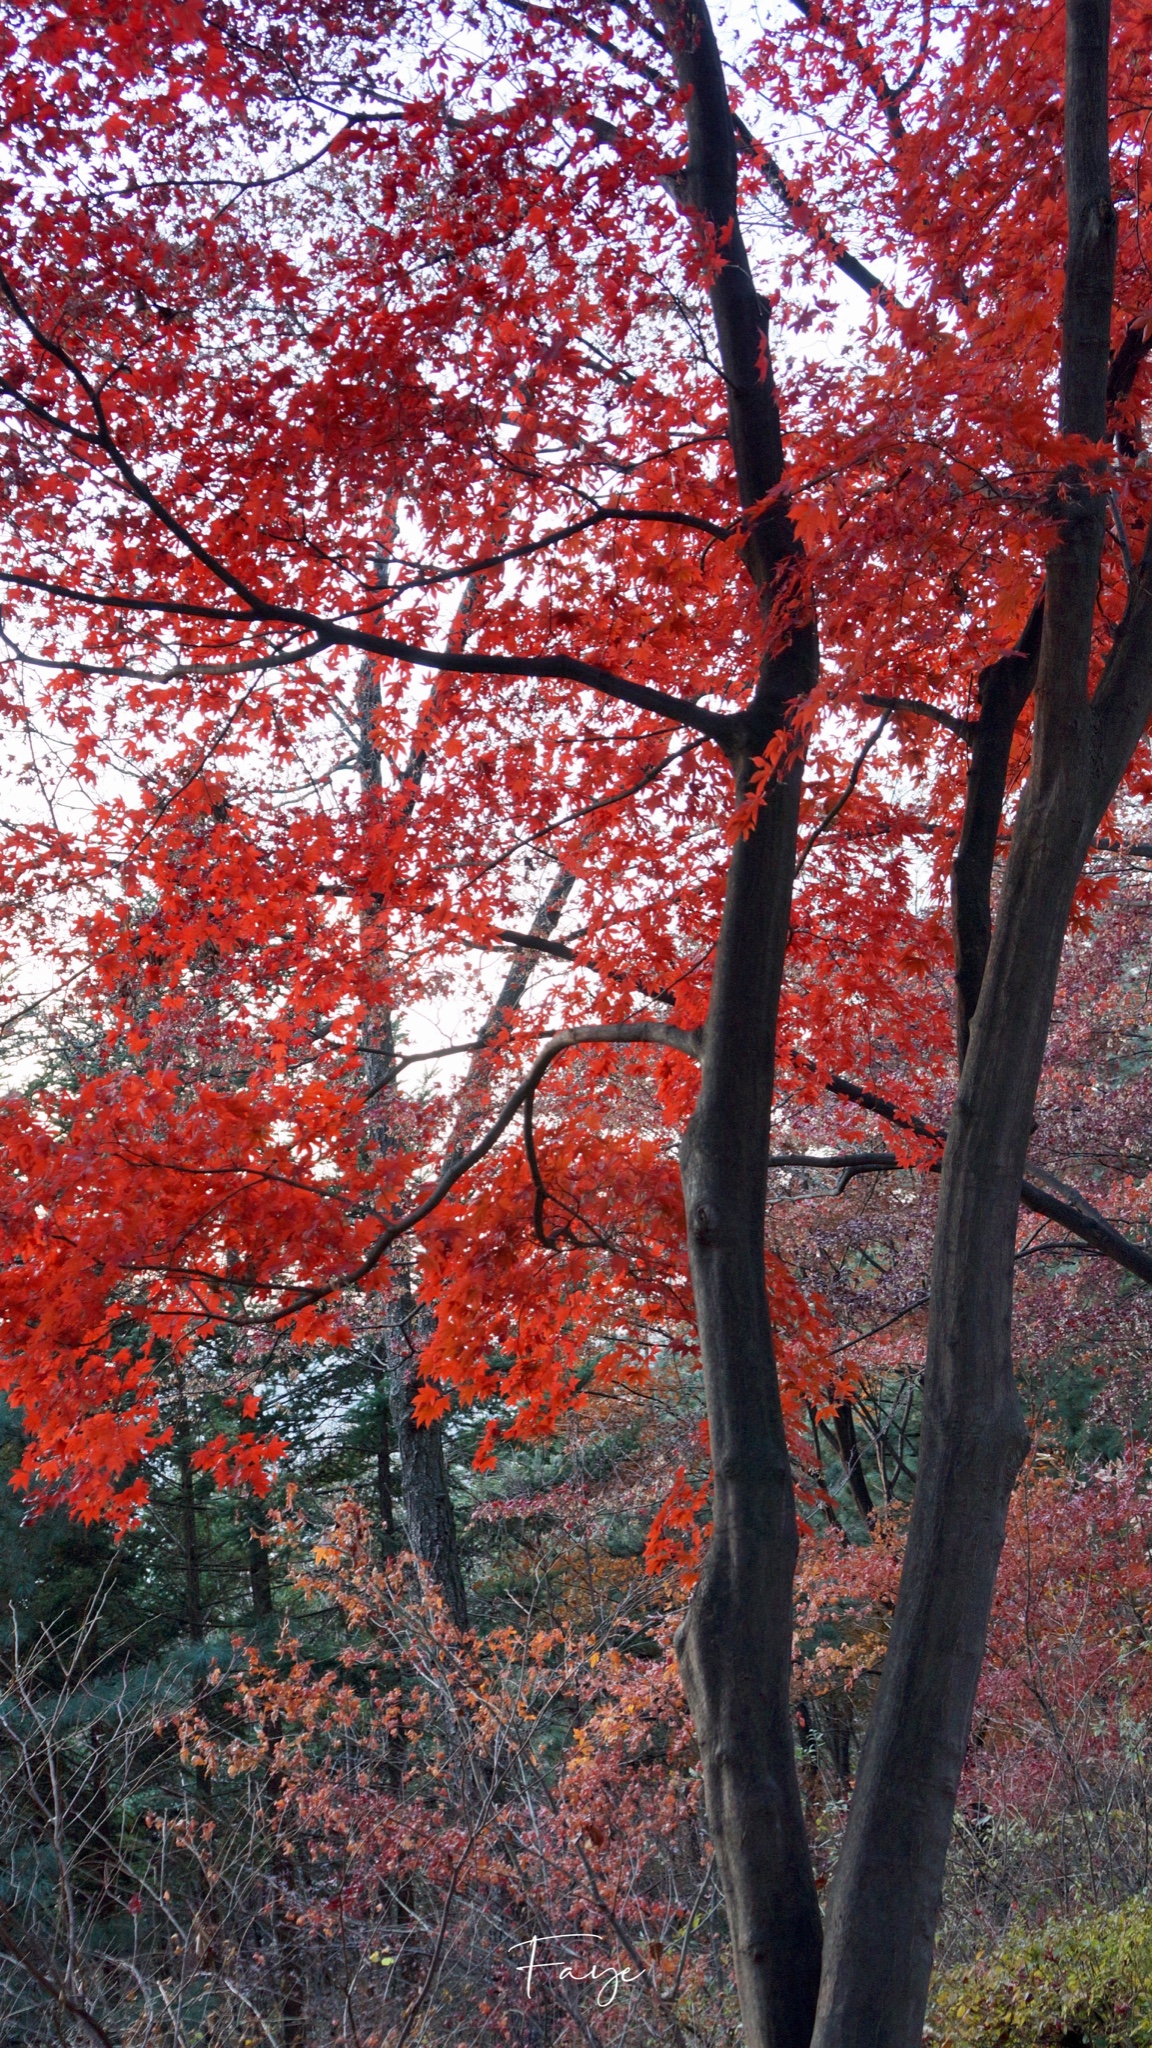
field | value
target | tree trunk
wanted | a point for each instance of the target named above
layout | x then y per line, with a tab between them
282	1875
259	1562
385	1505
429	1517
889	1880
735	1645
848	1444
428	1513
189	1521
1003	689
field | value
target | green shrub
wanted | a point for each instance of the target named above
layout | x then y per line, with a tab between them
1084	1983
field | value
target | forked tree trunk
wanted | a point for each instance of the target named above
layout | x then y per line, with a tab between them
1003	690
429	1515
735	1645
888	1884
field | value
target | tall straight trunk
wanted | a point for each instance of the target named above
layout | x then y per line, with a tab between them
889	1880
848	1444
189	1520
429	1516
259	1562
735	1645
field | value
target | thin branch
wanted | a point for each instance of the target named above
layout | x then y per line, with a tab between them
427	578
603	43
1043	1193
915	707
330	633
205	671
555	948
550	1239
168	607
433	1969
1047	1196
909	1308
887	97
414	1059
898	92
54	1991
846	1164
558	950
603	803
645	1031
1121	536
808	222
848	790
866	1098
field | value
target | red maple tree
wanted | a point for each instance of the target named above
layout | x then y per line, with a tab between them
408	378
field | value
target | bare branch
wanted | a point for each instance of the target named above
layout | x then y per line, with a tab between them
1042	1193
644	1031
427	578
846	1164
1047	1196
915	707
848	790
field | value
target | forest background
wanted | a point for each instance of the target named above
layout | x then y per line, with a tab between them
356	1427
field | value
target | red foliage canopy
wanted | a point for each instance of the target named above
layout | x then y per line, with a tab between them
373	556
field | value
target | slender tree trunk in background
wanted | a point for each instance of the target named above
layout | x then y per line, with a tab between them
189	1520
385	1506
429	1517
889	1880
848	1444
259	1562
293	2029
735	1645
204	1928
99	1849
